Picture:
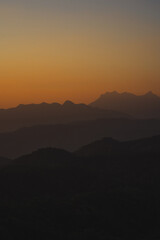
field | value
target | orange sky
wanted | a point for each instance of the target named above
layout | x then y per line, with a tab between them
50	52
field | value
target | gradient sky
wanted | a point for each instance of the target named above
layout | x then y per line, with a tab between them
53	50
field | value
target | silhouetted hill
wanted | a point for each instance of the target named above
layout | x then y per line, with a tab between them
111	147
47	157
143	106
100	147
35	114
73	136
54	194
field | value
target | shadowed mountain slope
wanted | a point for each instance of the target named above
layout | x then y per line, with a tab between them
73	136
143	106
47	157
36	114
109	146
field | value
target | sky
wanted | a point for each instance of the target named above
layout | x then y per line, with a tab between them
77	49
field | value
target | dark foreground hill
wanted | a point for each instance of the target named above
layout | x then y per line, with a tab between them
113	194
4	162
143	106
55	113
73	136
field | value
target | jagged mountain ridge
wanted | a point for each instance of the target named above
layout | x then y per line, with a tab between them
140	106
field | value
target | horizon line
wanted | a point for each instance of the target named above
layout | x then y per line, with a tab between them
56	102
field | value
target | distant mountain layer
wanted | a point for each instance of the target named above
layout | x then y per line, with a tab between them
73	136
35	114
144	106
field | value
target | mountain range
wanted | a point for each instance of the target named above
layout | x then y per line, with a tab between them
55	113
142	106
76	171
111	105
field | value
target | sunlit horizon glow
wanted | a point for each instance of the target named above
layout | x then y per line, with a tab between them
57	50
